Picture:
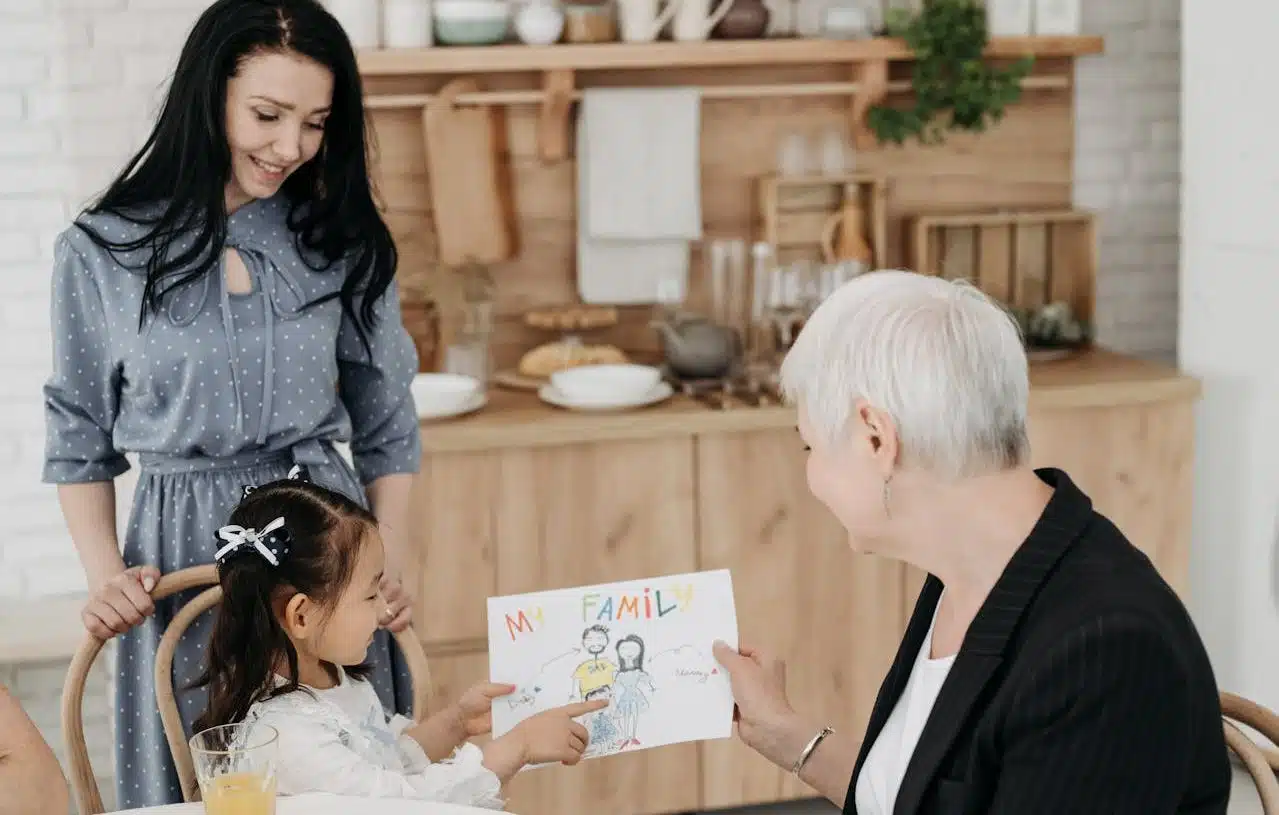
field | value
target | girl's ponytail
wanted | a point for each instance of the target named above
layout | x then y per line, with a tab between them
246	647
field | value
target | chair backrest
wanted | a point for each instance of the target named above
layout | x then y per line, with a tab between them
84	786
1255	762
1257	717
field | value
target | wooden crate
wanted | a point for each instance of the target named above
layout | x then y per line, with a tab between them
1025	259
794	211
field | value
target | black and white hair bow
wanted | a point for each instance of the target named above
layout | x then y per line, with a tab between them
271	541
296	473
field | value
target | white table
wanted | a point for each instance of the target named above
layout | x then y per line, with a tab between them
330	805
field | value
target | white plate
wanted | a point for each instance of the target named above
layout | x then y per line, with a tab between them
471	405
660	393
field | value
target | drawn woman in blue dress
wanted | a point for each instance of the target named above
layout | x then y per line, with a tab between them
629	686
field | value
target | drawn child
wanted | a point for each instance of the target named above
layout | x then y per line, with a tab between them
629	685
603	728
299	569
595	672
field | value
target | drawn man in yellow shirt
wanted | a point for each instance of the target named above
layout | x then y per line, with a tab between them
594	673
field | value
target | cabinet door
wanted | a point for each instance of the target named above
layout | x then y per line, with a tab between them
452	553
592	513
1134	462
833	615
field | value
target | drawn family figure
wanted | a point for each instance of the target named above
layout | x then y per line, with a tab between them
602	727
631	686
595	672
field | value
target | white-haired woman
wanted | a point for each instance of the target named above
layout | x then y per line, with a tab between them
1047	668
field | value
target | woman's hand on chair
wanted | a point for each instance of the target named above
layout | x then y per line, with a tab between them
398	613
121	603
765	718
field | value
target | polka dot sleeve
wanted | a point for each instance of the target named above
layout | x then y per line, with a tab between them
374	385
82	394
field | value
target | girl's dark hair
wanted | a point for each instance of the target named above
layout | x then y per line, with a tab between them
636	664
326	531
175	185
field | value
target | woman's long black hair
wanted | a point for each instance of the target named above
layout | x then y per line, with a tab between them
325	532
175	185
624	664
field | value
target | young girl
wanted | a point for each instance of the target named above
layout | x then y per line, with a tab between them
300	567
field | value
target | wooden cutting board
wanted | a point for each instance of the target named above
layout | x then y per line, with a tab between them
468	162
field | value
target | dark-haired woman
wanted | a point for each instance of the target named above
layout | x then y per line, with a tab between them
227	310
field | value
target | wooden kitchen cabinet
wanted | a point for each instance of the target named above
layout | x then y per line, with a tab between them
801	593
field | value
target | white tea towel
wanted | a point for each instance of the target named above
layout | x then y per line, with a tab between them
622	272
641	171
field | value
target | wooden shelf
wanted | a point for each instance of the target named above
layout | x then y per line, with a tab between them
559	67
445	59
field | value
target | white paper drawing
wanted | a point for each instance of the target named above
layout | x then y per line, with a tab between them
645	645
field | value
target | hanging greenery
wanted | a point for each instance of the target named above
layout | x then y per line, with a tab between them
955	88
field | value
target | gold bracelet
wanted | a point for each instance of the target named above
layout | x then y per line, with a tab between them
807	752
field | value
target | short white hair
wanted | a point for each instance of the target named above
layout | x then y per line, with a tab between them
944	360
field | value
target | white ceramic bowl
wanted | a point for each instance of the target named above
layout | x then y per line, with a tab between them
606	383
471	10
441	393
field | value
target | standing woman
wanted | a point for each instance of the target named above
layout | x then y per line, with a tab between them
227	310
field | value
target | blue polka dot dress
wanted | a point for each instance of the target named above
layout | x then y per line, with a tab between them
217	391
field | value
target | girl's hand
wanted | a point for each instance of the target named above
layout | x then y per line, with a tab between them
121	603
398	613
763	713
474	709
551	735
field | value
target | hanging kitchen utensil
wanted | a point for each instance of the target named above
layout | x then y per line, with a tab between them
468	162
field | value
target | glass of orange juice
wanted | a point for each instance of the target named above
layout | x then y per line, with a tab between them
235	766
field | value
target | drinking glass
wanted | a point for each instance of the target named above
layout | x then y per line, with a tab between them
235	767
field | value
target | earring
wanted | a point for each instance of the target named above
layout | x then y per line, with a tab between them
888	513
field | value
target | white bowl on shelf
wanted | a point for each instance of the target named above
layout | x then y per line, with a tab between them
440	394
589	384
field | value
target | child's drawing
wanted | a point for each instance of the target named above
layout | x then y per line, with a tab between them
645	645
600	725
595	672
631	687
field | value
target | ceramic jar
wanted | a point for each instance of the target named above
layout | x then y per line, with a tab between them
745	20
406	23
360	19
539	22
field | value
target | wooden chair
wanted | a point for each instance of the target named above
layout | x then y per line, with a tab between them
1260	761
1259	718
1256	764
84	786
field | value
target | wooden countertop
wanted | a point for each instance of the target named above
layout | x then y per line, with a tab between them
516	419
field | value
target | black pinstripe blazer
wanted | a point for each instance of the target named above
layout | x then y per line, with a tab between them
1081	688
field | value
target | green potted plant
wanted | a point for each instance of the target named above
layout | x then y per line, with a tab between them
954	87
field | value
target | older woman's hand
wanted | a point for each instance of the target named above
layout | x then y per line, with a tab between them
765	719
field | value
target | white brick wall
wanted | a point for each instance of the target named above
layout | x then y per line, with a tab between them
1231	290
78	82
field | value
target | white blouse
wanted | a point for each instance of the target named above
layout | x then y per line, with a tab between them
340	741
885	766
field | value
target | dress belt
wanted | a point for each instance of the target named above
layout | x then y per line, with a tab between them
309	453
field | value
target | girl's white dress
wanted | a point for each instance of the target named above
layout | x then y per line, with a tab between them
341	741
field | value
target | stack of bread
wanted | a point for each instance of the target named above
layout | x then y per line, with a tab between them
570	351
